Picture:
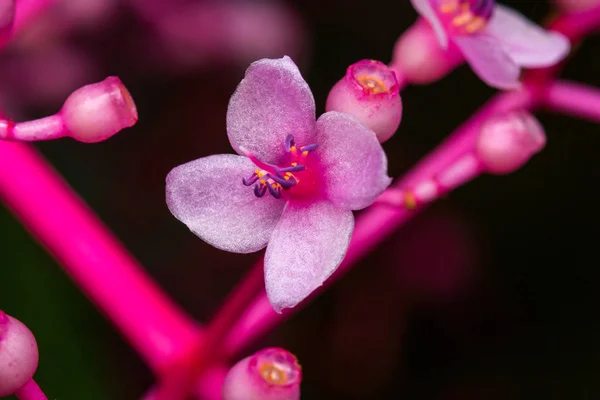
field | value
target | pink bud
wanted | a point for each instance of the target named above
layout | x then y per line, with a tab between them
18	355
420	58
97	111
270	374
507	142
369	92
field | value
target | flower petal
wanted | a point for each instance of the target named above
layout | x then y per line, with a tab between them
270	103
426	11
307	245
526	43
490	62
208	196
353	161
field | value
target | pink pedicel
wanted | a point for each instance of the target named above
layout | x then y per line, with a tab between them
419	57
96	112
508	141
91	114
576	5
18	355
316	173
369	92
270	374
495	40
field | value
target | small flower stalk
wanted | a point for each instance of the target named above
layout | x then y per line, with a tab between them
18	355
270	374
370	92
7	17
495	40
293	185
91	114
508	141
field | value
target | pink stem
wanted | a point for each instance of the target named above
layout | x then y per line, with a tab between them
31	391
28	10
574	99
378	222
97	262
47	128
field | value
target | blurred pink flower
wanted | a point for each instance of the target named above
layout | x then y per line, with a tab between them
316	172
495	40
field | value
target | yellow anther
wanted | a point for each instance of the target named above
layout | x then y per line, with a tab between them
293	148
305	153
476	25
449	6
463	18
294	164
262	182
372	84
410	202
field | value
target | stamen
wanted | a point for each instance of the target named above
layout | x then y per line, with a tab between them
275	190
260	189
293	168
284	181
309	147
289	142
251	180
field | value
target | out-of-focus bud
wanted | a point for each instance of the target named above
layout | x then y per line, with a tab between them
419	57
370	92
577	5
270	374
508	141
97	111
18	355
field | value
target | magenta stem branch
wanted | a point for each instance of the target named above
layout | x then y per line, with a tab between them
379	221
31	391
95	260
574	99
40	129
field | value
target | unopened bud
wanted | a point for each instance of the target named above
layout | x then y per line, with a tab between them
507	142
18	355
419	56
97	111
270	374
370	92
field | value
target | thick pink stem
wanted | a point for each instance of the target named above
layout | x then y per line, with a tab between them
574	99
40	129
97	262
378	222
31	391
27	10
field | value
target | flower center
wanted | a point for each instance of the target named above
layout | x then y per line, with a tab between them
276	179
372	84
277	367
465	17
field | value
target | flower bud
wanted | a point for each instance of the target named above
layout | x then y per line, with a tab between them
419	56
18	355
270	374
369	92
507	142
97	111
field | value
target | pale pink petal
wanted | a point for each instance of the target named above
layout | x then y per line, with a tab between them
526	43
426	11
353	161
307	245
270	103
208	196
488	59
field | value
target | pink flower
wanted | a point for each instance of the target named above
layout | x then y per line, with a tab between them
495	40
293	186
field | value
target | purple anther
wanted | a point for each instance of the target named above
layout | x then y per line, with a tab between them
251	180
275	191
294	168
260	189
309	147
286	183
289	142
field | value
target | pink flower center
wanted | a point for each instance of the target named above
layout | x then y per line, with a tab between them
277	367
296	178
464	17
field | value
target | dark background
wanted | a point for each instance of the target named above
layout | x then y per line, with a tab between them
489	294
